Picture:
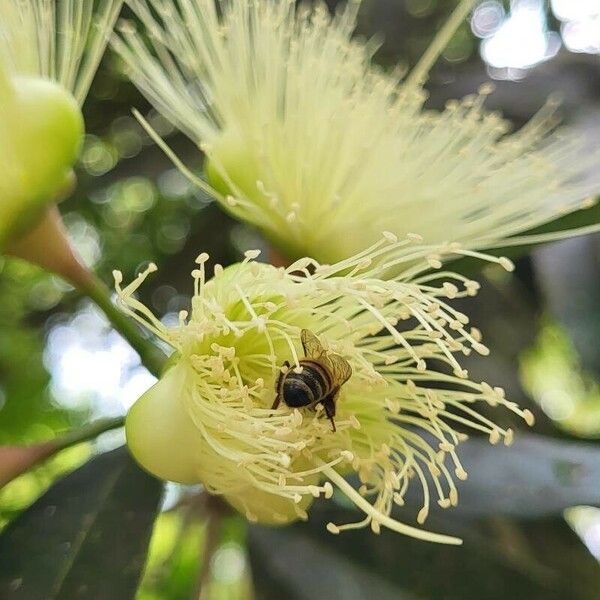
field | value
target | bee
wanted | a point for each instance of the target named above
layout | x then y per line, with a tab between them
322	375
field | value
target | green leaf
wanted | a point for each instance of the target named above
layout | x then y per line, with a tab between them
288	564
501	558
531	553
573	220
86	537
535	477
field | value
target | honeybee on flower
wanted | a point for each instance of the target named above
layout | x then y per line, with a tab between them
307	139
401	413
49	53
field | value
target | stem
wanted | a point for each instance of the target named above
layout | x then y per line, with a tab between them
47	245
211	544
151	356
88	432
419	74
216	511
16	460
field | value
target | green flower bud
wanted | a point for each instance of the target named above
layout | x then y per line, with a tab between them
42	132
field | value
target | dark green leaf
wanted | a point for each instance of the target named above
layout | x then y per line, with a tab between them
574	220
500	558
534	477
287	564
85	538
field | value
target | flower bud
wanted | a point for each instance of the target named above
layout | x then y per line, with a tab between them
42	132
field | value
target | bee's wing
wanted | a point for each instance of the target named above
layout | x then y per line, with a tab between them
340	369
311	344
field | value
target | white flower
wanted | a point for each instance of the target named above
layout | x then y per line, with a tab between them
322	150
400	417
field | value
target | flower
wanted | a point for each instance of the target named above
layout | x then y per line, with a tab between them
400	417
322	150
49	53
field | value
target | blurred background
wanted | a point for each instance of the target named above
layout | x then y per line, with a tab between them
61	365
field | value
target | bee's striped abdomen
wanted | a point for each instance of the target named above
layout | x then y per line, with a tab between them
308	387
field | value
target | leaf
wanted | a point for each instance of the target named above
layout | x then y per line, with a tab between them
535	556
573	220
84	538
500	558
287	564
535	477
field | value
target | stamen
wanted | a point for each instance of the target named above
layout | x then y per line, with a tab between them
388	522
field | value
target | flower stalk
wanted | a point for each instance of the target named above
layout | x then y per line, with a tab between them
88	432
16	460
48	246
151	356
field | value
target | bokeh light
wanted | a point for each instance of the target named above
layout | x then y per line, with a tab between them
516	41
580	27
519	42
92	367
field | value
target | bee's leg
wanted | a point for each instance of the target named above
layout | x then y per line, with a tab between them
278	386
329	406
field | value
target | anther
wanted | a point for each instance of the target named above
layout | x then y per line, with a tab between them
332	528
252	254
506	263
529	418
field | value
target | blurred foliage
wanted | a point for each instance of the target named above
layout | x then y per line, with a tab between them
174	557
24	490
131	206
177	566
94	522
552	374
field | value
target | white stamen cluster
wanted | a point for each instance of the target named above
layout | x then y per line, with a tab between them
59	40
322	150
400	417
